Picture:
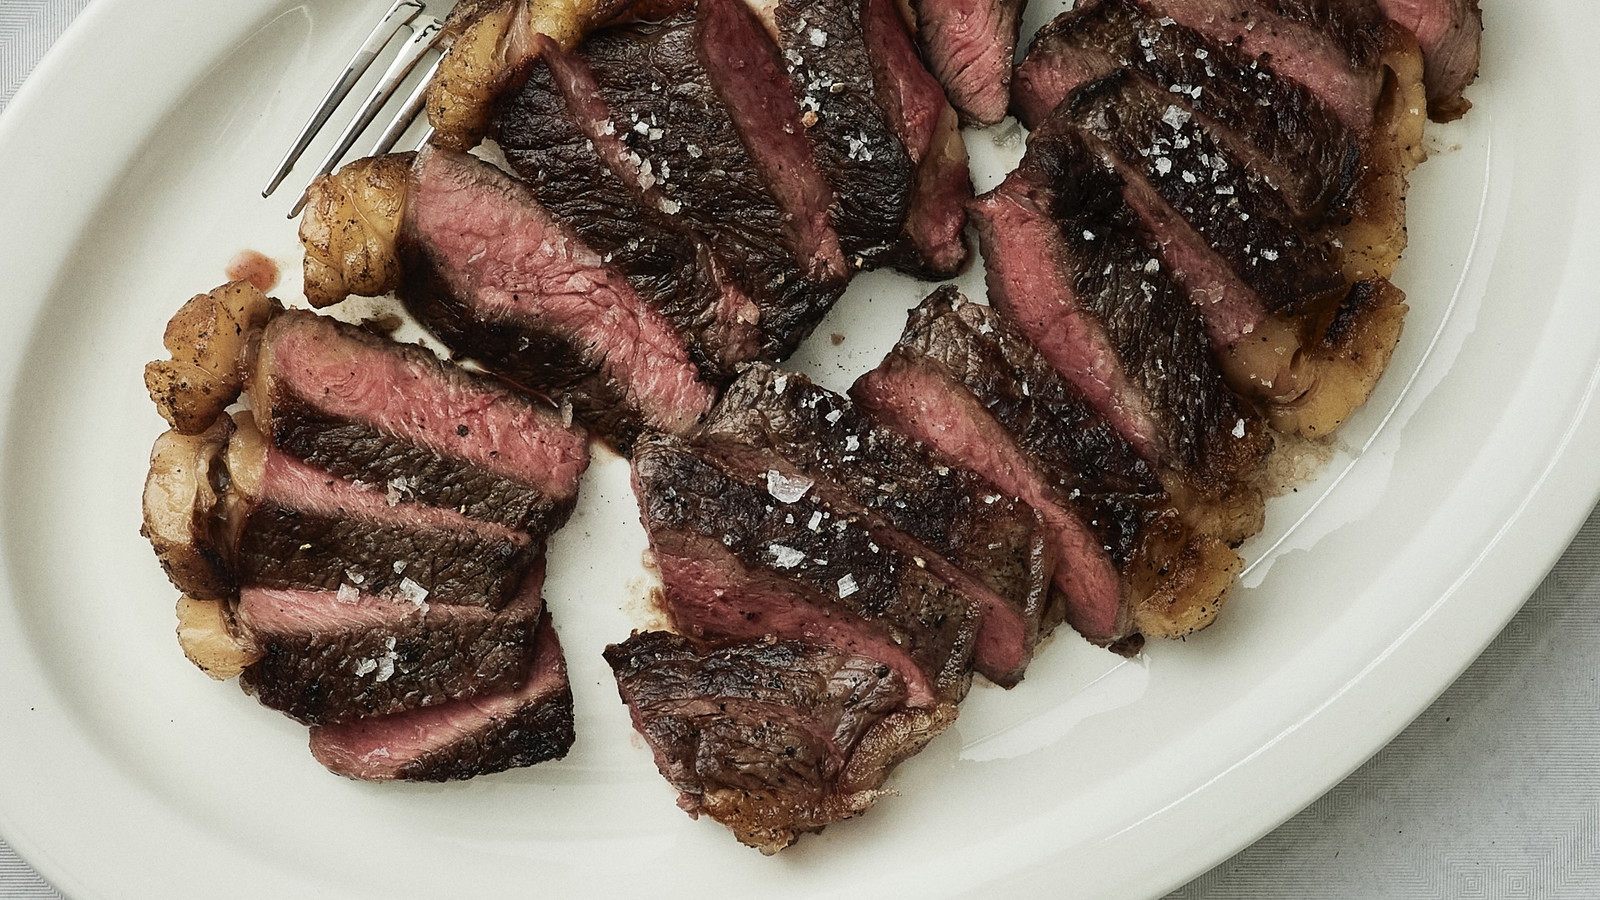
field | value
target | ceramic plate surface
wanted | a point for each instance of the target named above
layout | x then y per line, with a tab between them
132	164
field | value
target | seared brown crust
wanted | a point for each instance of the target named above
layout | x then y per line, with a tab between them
991	546
464	738
772	739
284	547
794	558
351	664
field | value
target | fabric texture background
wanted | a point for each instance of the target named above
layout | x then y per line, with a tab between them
1493	792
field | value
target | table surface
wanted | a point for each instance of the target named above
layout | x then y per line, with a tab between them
1492	792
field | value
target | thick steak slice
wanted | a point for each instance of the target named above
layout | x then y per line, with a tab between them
557	135
312	530
688	149
1337	48
934	245
1182	179
987	544
490	272
771	738
1307	361
962	379
396	417
336	656
1345	181
1301	146
968	45
833	80
742	559
1069	265
465	738
1450	33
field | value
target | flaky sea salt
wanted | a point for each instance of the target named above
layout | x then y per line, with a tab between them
411	592
847	585
785	489
785	557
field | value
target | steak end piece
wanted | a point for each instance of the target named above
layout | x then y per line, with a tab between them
527	724
773	739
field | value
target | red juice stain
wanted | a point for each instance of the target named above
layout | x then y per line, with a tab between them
256	268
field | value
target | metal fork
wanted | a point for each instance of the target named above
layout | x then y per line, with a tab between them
427	34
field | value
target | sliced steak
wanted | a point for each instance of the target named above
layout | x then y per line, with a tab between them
311	530
1301	146
964	380
969	45
497	279
1337	48
396	417
335	656
742	559
1450	33
690	151
771	738
1269	324
557	135
934	244
834	82
1180	177
465	738
991	547
1069	264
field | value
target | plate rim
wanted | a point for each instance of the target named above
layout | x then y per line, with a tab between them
1500	591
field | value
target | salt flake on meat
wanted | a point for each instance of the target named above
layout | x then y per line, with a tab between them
785	557
785	489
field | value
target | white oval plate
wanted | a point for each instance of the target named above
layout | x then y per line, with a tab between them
132	161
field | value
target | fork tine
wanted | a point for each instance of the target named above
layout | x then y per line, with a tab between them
427	34
398	16
408	113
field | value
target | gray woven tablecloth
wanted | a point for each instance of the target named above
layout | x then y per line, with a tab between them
1494	792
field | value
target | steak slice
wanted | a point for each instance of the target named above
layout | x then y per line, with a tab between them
987	545
1337	48
335	656
1309	360
690	151
771	738
1176	173
1339	180
969	45
934	245
489	272
964	380
1069	265
834	82
1450	33
557	135
301	527
742	559
1301	146
465	738
394	416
